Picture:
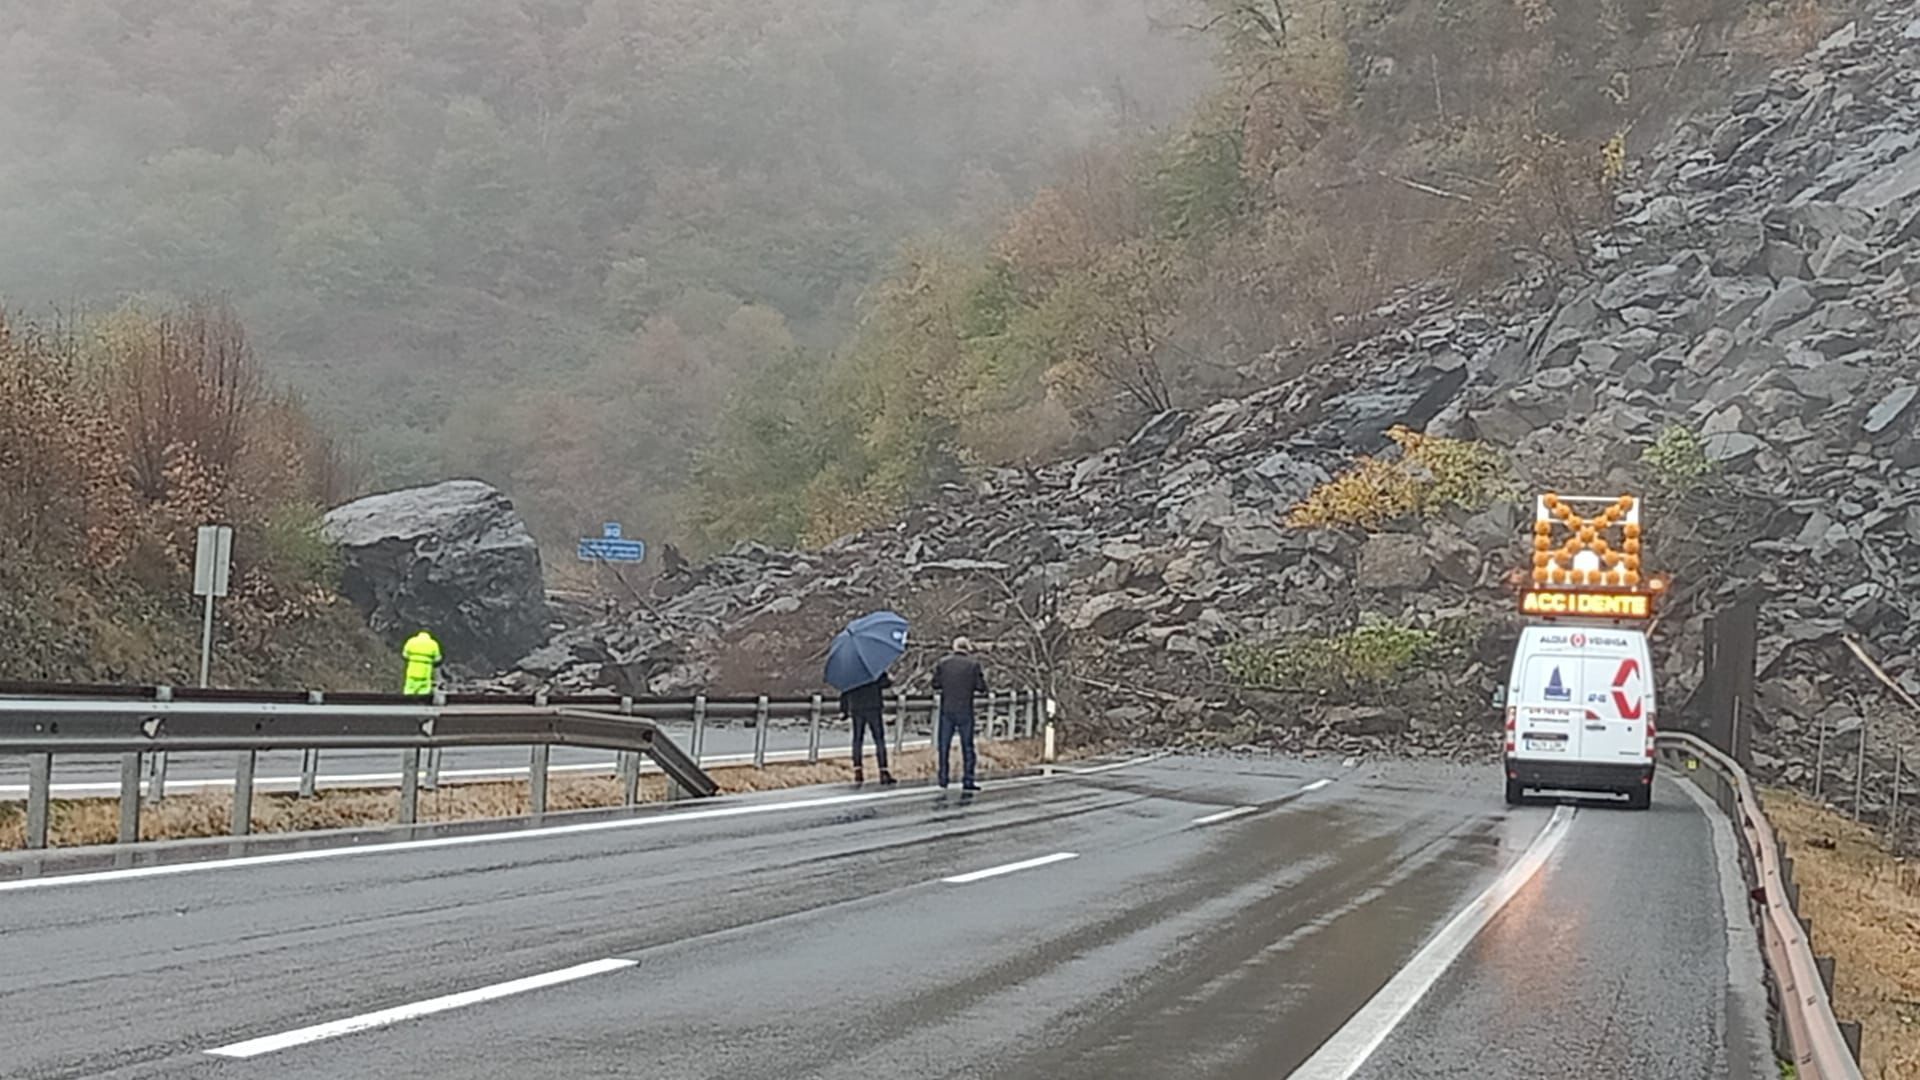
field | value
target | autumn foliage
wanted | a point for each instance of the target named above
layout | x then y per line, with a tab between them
1347	151
119	437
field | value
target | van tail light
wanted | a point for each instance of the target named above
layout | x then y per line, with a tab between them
1513	715
1650	734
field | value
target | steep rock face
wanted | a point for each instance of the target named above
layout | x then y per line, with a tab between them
454	558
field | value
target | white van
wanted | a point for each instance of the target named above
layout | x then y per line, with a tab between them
1580	713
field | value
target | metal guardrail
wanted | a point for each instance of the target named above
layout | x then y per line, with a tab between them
1806	1032
146	723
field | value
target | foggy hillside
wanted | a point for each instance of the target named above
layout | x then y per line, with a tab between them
527	238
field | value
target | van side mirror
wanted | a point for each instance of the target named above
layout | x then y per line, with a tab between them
1499	696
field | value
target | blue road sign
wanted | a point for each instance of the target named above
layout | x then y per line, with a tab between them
609	546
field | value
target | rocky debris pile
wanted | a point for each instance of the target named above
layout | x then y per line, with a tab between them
454	558
1758	290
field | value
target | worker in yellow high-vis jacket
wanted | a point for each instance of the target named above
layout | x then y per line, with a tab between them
423	659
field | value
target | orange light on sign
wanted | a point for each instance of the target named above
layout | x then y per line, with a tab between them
1584	604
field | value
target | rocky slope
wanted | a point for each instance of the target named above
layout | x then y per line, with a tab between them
1758	288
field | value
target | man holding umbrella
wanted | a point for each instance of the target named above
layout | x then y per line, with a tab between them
857	663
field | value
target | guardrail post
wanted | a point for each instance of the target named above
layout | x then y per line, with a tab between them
310	759
243	793
431	782
993	709
698	749
1850	1031
900	735
537	779
629	762
39	798
813	731
1824	964
760	732
157	787
129	798
409	786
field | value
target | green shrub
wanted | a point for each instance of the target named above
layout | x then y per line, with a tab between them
293	549
1373	654
1430	474
1677	461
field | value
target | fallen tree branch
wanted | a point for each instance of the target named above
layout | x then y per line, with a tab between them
1879	672
1425	189
1155	695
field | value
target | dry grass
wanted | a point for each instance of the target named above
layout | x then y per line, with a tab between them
79	822
1865	907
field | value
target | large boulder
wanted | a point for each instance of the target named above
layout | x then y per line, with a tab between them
454	558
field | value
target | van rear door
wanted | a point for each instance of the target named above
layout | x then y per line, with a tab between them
1617	697
1545	695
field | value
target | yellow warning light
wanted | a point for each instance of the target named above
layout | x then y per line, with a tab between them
1657	584
1589	555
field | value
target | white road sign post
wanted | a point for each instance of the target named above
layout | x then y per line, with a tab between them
212	558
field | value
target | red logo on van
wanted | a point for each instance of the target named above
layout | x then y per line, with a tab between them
1629	670
1579	641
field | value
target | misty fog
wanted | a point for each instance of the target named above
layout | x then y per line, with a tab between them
540	240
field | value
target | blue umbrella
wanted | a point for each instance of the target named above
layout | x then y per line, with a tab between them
865	649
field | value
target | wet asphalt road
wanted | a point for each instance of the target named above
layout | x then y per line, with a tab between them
824	940
96	775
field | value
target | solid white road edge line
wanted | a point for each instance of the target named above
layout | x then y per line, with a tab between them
1010	868
1744	966
367	1021
752	809
1225	815
178	785
1316	785
1342	1055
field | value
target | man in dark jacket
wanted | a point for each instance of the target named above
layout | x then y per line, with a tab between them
957	678
866	705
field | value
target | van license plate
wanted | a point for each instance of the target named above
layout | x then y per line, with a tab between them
1546	742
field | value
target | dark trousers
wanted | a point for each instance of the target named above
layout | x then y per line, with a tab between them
878	724
951	725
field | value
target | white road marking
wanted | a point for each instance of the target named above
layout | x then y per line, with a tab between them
751	809
1010	868
1342	1055
1224	815
1316	785
180	786
385	1017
